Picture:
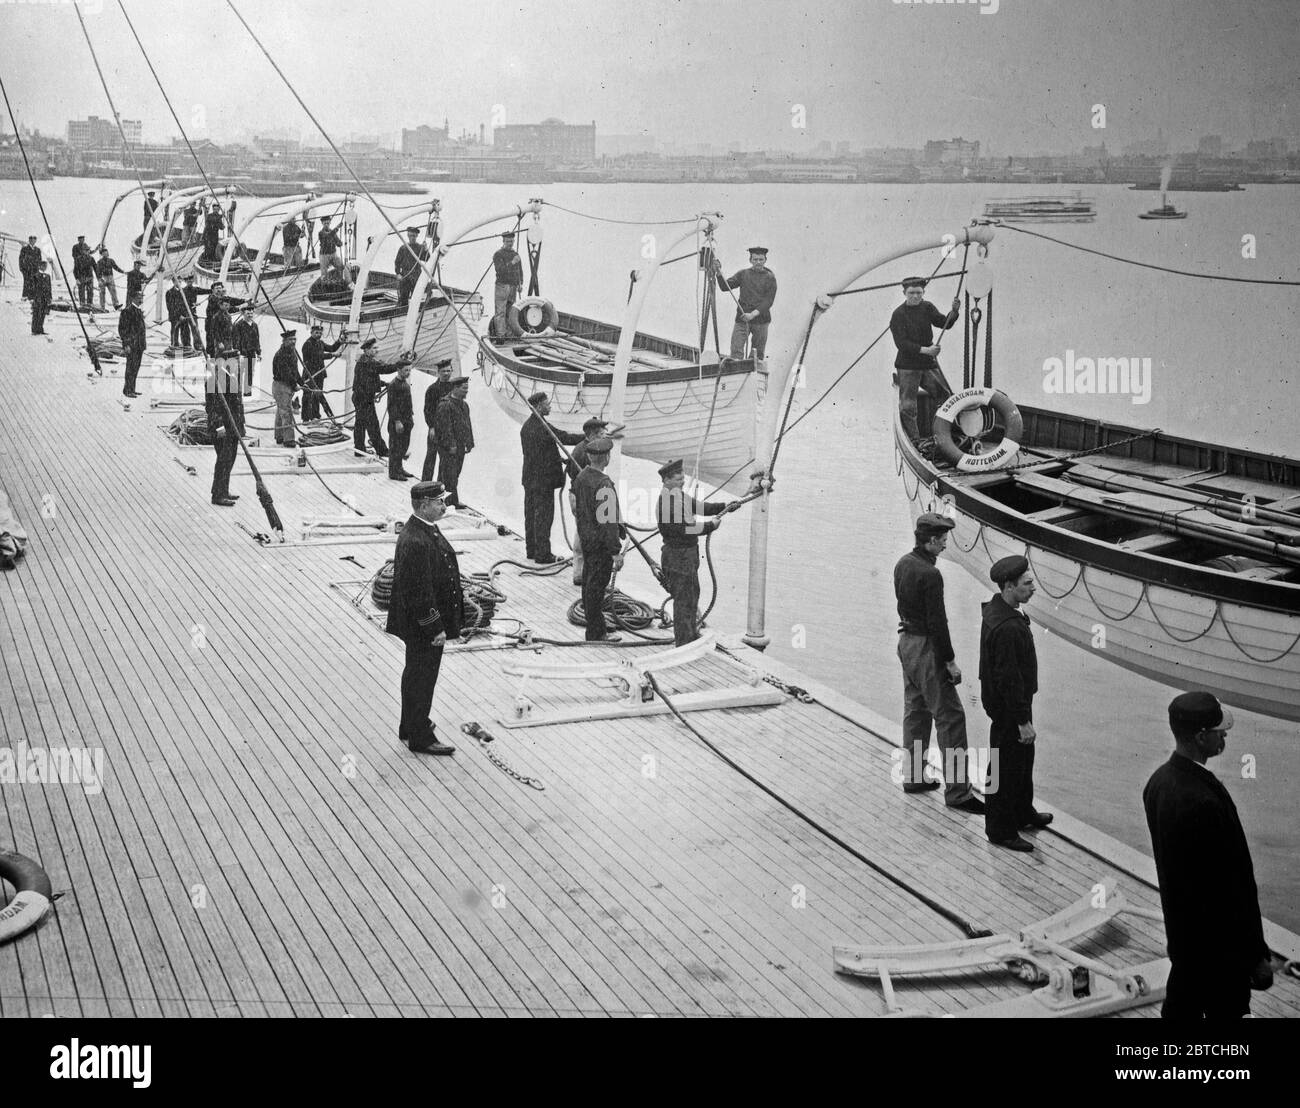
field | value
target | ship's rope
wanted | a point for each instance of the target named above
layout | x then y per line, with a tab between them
625	222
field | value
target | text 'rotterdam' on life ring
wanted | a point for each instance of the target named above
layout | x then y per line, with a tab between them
979	460
32	900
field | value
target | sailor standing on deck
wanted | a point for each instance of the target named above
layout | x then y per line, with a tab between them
426	608
219	328
225	408
131	330
407	264
510	279
42	293
216	299
365	390
1207	883
543	474
401	416
455	438
1008	682
83	272
176	314
247	340
29	262
930	671
593	428
313	367
105	267
912	326
757	286
680	527
136	279
190	331
601	527
433	396
284	383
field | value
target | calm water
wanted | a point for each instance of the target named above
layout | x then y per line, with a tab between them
1223	367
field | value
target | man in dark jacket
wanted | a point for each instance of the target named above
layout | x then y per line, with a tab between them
930	671
543	473
291	236
247	340
330	251
593	428
426	609
177	317
190	222
680	526
105	267
1207	882
433	396
29	263
284	383
83	272
136	280
912	326
1008	682
407	264
757	286
601	526
401	415
313	369
219	329
225	408
213	222
150	206
131	330
42	293
455	438
509	279
366	385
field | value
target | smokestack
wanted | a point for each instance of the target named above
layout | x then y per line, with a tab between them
480	134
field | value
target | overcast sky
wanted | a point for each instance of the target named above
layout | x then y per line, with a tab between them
1021	79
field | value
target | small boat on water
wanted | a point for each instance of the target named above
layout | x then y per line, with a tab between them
1165	211
1073	208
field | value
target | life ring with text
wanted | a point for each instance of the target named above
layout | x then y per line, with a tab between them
532	316
32	900
979	460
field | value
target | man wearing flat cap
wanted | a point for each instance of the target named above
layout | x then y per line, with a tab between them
509	280
592	429
407	264
601	527
425	611
912	326
366	387
680	526
433	396
455	434
1008	682
930	671
757	286
1207	883
285	381
543	474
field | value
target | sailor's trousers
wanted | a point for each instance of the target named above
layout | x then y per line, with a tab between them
929	696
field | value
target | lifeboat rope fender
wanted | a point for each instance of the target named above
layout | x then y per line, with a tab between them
519	317
30	903
965	401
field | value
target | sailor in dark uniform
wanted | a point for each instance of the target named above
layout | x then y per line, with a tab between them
593	428
29	261
83	272
401	416
680	527
407	264
219	328
543	474
42	293
601	527
433	396
247	340
1207	882
285	381
455	438
313	369
226	422
426	610
216	298
1008	682
365	390
757	286
136	280
105	267
150	206
176	315
131	330
912	326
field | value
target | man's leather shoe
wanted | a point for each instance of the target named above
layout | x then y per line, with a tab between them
223	502
972	804
1038	819
434	747
612	636
548	560
923	787
399	476
1019	844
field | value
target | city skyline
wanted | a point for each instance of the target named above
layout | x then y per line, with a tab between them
873	73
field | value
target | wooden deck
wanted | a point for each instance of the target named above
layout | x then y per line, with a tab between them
264	846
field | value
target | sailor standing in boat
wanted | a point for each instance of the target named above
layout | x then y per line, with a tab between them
433	396
510	279
543	474
313	368
365	390
600	525
593	428
912	326
757	286
1008	682
291	236
930	671
426	609
401	416
284	383
455	438
680	527
329	249
1215	936
407	264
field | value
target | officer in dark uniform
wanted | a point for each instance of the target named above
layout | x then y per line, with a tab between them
29	261
313	370
601	527
247	340
930	671
1207	882
42	293
365	390
401	415
433	396
131	330
455	437
543	473
226	422
680	527
407	264
426	610
1008	682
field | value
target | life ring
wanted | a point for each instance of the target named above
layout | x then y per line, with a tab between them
965	401
532	316
32	899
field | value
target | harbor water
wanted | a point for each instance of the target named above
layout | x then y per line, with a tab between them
1222	368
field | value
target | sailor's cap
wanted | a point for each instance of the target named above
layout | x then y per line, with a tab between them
445	363
911	282
428	490
290	334
594	424
1199	709
758	250
537	398
1008	569
672	469
369	343
600	446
